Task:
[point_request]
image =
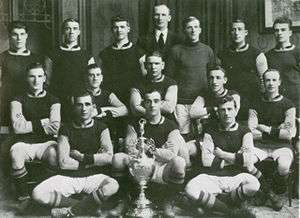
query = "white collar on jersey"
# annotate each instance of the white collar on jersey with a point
(23, 53)
(161, 121)
(123, 47)
(275, 99)
(82, 126)
(64, 47)
(287, 48)
(39, 95)
(233, 127)
(241, 49)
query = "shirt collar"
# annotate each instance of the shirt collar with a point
(88, 125)
(275, 99)
(233, 127)
(161, 121)
(286, 48)
(64, 47)
(97, 93)
(158, 32)
(241, 49)
(23, 53)
(39, 95)
(123, 47)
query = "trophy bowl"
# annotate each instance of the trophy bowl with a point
(141, 167)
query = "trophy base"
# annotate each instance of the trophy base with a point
(142, 209)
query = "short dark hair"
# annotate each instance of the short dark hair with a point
(283, 19)
(149, 90)
(186, 20)
(93, 66)
(118, 18)
(17, 25)
(271, 70)
(225, 99)
(35, 65)
(64, 24)
(154, 53)
(214, 66)
(78, 94)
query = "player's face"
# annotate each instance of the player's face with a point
(272, 82)
(120, 30)
(161, 17)
(154, 66)
(18, 38)
(152, 103)
(238, 32)
(227, 112)
(94, 77)
(216, 80)
(282, 32)
(71, 32)
(36, 78)
(193, 30)
(83, 107)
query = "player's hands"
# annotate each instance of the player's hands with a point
(218, 152)
(75, 154)
(264, 128)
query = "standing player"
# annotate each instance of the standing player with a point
(169, 168)
(120, 61)
(187, 65)
(155, 80)
(272, 122)
(69, 63)
(35, 117)
(285, 57)
(243, 63)
(227, 148)
(13, 63)
(83, 145)
(107, 104)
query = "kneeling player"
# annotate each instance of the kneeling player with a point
(83, 144)
(35, 119)
(169, 168)
(272, 122)
(227, 148)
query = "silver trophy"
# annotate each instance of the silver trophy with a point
(141, 167)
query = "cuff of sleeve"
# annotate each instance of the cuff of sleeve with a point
(37, 127)
(216, 164)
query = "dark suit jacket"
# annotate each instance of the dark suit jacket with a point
(148, 43)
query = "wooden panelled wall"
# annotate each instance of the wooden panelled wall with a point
(95, 15)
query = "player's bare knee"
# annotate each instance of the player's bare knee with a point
(250, 185)
(40, 196)
(191, 190)
(17, 155)
(284, 166)
(109, 187)
(179, 166)
(50, 156)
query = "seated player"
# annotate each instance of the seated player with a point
(169, 168)
(83, 145)
(154, 65)
(227, 148)
(35, 118)
(272, 122)
(108, 105)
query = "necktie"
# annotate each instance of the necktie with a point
(161, 43)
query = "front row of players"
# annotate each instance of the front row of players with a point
(84, 145)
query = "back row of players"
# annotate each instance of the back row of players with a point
(187, 86)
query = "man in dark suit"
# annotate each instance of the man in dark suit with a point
(161, 38)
